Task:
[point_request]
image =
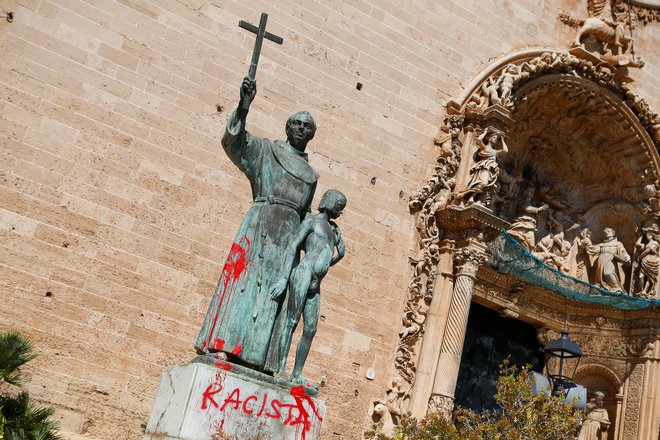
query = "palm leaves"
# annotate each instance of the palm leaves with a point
(15, 351)
(20, 419)
(26, 421)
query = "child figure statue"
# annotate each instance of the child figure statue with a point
(318, 236)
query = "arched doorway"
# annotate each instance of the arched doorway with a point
(489, 340)
(596, 377)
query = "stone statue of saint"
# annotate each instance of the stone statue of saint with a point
(241, 316)
(596, 420)
(610, 254)
(318, 236)
(484, 173)
(649, 261)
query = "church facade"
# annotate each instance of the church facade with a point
(500, 161)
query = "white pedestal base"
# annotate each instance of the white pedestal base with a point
(202, 402)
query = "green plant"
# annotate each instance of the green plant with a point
(521, 414)
(20, 419)
(15, 351)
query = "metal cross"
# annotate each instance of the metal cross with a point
(261, 34)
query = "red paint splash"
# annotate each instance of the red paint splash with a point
(218, 344)
(223, 365)
(233, 269)
(298, 393)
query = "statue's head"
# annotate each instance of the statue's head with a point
(609, 233)
(332, 202)
(598, 397)
(300, 129)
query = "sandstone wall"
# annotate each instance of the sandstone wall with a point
(117, 205)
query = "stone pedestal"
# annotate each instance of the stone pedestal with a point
(199, 401)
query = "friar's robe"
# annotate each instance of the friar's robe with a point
(241, 315)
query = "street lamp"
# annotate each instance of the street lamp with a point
(562, 349)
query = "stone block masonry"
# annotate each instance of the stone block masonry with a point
(118, 207)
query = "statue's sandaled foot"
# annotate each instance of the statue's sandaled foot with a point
(297, 379)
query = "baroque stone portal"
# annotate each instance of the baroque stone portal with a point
(573, 176)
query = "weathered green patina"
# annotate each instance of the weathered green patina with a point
(241, 315)
(318, 236)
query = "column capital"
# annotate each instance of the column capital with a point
(467, 261)
(442, 405)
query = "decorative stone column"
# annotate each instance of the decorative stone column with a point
(430, 349)
(619, 412)
(466, 262)
(649, 417)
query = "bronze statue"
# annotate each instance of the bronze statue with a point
(241, 316)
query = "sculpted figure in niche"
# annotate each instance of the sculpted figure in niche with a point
(596, 420)
(484, 173)
(395, 399)
(649, 261)
(602, 25)
(380, 414)
(554, 248)
(610, 254)
(241, 316)
(506, 83)
(524, 227)
(413, 320)
(582, 243)
(318, 236)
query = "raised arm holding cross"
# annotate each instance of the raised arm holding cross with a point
(249, 86)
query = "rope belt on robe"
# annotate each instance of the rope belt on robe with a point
(272, 200)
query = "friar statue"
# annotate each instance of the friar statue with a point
(240, 318)
(596, 421)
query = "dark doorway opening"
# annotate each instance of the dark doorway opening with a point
(489, 340)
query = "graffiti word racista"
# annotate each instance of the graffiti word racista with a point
(291, 414)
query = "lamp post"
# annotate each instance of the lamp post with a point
(562, 349)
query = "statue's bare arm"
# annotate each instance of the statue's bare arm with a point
(277, 290)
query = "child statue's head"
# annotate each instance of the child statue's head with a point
(332, 202)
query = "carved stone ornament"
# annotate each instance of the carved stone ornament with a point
(633, 401)
(565, 63)
(646, 267)
(604, 35)
(430, 199)
(519, 190)
(641, 11)
(485, 172)
(467, 261)
(436, 194)
(441, 405)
